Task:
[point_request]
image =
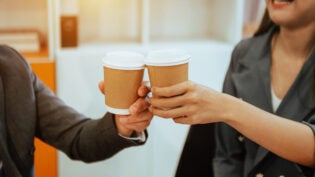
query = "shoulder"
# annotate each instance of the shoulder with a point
(11, 60)
(11, 54)
(249, 50)
(251, 45)
(242, 47)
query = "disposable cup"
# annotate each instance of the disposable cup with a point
(123, 75)
(167, 67)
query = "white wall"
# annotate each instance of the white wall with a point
(81, 69)
(18, 15)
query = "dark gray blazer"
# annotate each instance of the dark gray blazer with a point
(29, 109)
(248, 78)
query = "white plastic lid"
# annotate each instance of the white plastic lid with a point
(167, 57)
(124, 60)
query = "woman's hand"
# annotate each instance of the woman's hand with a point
(140, 116)
(188, 103)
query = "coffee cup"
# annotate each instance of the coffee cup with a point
(167, 67)
(123, 75)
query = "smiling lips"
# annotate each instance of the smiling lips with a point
(281, 3)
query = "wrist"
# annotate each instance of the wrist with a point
(231, 108)
(122, 130)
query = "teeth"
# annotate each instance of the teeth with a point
(282, 1)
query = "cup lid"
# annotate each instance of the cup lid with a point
(125, 60)
(167, 57)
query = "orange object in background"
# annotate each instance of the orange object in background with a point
(45, 155)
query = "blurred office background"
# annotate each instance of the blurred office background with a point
(65, 40)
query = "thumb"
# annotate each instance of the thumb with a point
(101, 86)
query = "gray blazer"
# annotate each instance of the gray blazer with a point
(248, 78)
(29, 109)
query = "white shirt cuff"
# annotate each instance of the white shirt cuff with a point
(138, 136)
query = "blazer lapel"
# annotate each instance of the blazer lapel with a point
(253, 83)
(253, 86)
(297, 103)
(264, 73)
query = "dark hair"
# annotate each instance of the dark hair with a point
(265, 24)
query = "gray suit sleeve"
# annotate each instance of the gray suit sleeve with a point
(229, 155)
(76, 135)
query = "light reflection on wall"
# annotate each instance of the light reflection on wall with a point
(109, 20)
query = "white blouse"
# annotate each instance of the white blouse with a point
(275, 101)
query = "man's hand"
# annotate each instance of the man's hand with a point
(140, 116)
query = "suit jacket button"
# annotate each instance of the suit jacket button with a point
(259, 175)
(240, 138)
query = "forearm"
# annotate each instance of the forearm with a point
(286, 138)
(73, 133)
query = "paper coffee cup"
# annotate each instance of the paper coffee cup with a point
(123, 74)
(167, 67)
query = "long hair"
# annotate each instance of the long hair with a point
(265, 24)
